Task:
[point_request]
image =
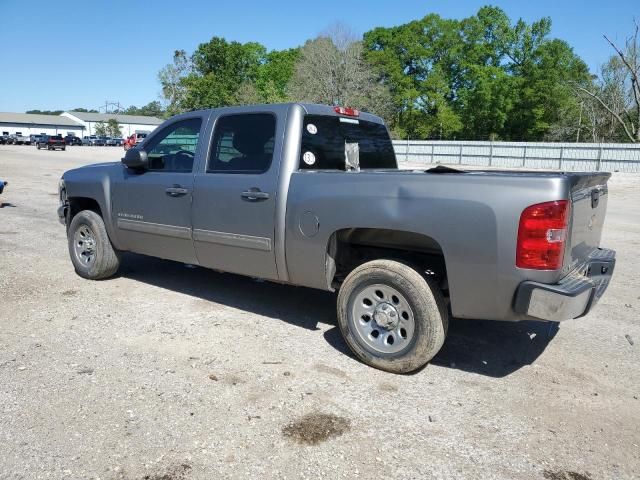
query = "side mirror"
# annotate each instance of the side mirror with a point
(136, 159)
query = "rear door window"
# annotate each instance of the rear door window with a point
(325, 139)
(243, 143)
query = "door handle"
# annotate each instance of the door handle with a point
(254, 195)
(176, 191)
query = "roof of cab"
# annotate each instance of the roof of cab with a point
(310, 108)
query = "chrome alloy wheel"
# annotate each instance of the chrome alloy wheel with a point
(84, 245)
(382, 318)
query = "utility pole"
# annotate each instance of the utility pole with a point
(114, 104)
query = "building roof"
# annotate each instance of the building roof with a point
(103, 117)
(37, 119)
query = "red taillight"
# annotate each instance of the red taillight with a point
(349, 112)
(542, 234)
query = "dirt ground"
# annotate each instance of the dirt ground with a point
(168, 372)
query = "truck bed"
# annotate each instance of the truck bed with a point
(471, 217)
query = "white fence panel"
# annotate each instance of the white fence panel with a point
(610, 157)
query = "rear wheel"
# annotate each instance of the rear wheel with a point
(391, 316)
(91, 251)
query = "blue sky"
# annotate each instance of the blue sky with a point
(79, 54)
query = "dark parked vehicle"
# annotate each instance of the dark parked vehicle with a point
(51, 142)
(33, 139)
(311, 195)
(72, 140)
(3, 138)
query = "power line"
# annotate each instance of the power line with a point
(108, 104)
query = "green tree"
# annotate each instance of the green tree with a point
(247, 94)
(271, 80)
(219, 68)
(84, 110)
(45, 112)
(544, 71)
(274, 74)
(415, 61)
(222, 73)
(100, 129)
(151, 109)
(479, 77)
(112, 128)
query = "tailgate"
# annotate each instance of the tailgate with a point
(589, 195)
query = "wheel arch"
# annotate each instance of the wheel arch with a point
(349, 248)
(78, 204)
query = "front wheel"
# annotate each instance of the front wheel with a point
(392, 317)
(91, 251)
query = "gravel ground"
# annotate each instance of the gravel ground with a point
(168, 372)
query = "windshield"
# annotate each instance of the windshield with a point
(326, 138)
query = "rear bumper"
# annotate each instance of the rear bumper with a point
(573, 296)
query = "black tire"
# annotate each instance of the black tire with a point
(428, 307)
(64, 148)
(106, 259)
(38, 146)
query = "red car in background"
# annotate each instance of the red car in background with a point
(134, 139)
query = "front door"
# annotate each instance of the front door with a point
(153, 207)
(235, 196)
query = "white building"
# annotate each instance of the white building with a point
(129, 124)
(36, 124)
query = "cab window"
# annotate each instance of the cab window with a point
(324, 140)
(243, 143)
(174, 148)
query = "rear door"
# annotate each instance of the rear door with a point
(235, 196)
(153, 207)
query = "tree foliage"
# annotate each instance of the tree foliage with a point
(480, 77)
(112, 128)
(170, 78)
(477, 78)
(45, 112)
(100, 129)
(220, 73)
(79, 109)
(332, 70)
(151, 109)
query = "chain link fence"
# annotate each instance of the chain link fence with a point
(607, 157)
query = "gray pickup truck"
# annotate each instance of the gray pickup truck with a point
(311, 195)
